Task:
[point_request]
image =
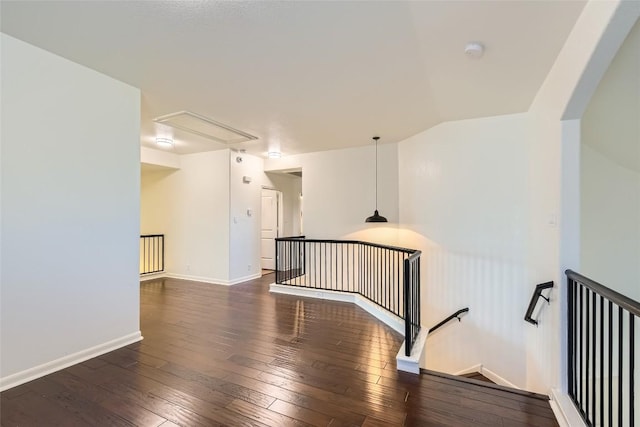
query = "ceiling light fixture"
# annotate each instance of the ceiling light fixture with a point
(274, 154)
(376, 217)
(164, 142)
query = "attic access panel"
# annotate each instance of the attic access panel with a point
(205, 127)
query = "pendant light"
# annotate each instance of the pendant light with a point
(376, 217)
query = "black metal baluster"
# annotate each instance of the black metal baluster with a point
(336, 266)
(587, 351)
(387, 304)
(620, 364)
(631, 369)
(593, 361)
(153, 241)
(320, 264)
(610, 348)
(146, 256)
(331, 265)
(570, 337)
(277, 262)
(407, 330)
(316, 262)
(360, 269)
(370, 272)
(342, 266)
(601, 360)
(376, 289)
(298, 262)
(579, 396)
(397, 263)
(163, 252)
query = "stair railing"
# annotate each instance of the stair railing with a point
(388, 276)
(601, 357)
(455, 315)
(151, 253)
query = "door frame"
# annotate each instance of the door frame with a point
(279, 215)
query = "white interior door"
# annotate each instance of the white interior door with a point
(269, 228)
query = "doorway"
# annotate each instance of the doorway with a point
(271, 226)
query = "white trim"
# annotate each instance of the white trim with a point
(202, 279)
(471, 370)
(66, 361)
(152, 276)
(244, 279)
(391, 320)
(563, 408)
(497, 378)
(212, 281)
(413, 363)
(479, 368)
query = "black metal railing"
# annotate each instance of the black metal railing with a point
(379, 273)
(601, 352)
(291, 257)
(151, 253)
(411, 300)
(455, 315)
(537, 294)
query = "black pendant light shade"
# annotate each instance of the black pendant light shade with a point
(376, 217)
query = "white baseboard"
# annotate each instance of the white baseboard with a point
(152, 276)
(413, 362)
(244, 279)
(565, 411)
(212, 280)
(489, 374)
(66, 361)
(393, 321)
(471, 370)
(497, 378)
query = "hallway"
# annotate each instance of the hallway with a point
(219, 355)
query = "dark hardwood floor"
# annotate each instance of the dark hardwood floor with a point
(239, 356)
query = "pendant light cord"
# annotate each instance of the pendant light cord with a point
(376, 175)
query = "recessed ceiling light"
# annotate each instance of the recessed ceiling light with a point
(164, 142)
(474, 49)
(274, 154)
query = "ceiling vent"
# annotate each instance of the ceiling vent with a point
(204, 126)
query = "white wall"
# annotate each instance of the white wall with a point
(159, 158)
(70, 212)
(610, 175)
(202, 208)
(244, 228)
(610, 231)
(338, 189)
(464, 202)
(191, 207)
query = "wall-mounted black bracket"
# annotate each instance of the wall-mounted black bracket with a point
(537, 294)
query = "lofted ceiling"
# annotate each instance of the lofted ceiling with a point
(309, 75)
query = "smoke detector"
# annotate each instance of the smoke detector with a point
(474, 50)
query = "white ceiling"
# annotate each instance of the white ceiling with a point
(307, 76)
